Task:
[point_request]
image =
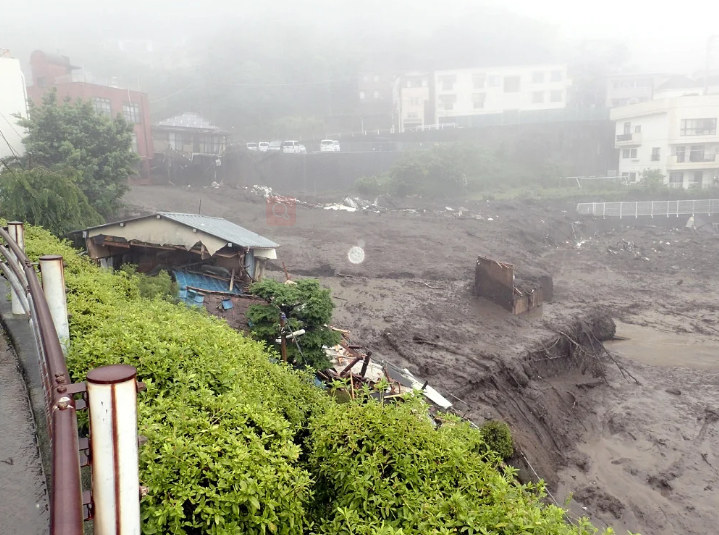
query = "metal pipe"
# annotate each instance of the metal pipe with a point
(16, 232)
(112, 393)
(53, 285)
(66, 516)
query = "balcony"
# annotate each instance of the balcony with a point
(693, 161)
(628, 140)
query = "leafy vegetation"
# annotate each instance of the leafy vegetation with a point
(160, 285)
(72, 134)
(307, 306)
(237, 444)
(498, 438)
(51, 199)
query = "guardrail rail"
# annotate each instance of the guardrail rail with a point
(649, 208)
(110, 395)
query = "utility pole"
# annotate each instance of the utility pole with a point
(283, 337)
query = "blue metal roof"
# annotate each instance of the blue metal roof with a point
(202, 282)
(221, 228)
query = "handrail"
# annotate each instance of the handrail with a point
(66, 506)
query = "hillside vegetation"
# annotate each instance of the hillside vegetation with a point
(239, 444)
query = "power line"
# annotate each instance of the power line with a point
(12, 150)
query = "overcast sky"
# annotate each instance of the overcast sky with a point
(660, 35)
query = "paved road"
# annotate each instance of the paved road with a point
(23, 496)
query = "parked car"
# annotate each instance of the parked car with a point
(263, 146)
(274, 146)
(252, 146)
(329, 145)
(303, 149)
(291, 147)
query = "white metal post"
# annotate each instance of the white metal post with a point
(17, 233)
(53, 286)
(112, 395)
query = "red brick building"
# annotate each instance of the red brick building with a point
(51, 70)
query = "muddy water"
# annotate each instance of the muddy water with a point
(650, 346)
(23, 500)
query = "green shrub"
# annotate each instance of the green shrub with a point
(307, 306)
(371, 185)
(384, 467)
(156, 286)
(498, 438)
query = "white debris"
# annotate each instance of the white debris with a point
(490, 219)
(264, 191)
(341, 207)
(350, 202)
(449, 209)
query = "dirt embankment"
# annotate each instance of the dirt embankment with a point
(634, 455)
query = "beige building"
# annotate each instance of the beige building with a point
(13, 103)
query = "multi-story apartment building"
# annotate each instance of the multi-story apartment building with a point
(628, 89)
(463, 94)
(13, 103)
(677, 136)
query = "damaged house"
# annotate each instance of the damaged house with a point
(204, 254)
(497, 282)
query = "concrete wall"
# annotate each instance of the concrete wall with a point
(13, 101)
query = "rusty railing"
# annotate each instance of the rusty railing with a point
(114, 507)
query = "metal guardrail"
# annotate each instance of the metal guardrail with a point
(649, 208)
(113, 442)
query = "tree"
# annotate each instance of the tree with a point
(652, 180)
(74, 135)
(51, 199)
(307, 306)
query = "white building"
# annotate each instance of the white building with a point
(414, 102)
(677, 136)
(465, 93)
(13, 102)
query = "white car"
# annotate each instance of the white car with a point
(263, 146)
(252, 146)
(329, 145)
(292, 147)
(274, 146)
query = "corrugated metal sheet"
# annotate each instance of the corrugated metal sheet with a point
(203, 282)
(221, 228)
(250, 263)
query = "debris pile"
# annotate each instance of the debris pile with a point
(353, 363)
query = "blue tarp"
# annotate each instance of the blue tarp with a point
(203, 282)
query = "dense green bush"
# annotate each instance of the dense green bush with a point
(371, 185)
(237, 444)
(384, 467)
(308, 306)
(160, 285)
(498, 438)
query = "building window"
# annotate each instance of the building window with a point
(676, 179)
(376, 94)
(495, 80)
(102, 106)
(656, 153)
(537, 97)
(695, 178)
(448, 102)
(638, 129)
(629, 153)
(134, 143)
(625, 176)
(617, 102)
(556, 76)
(627, 128)
(511, 84)
(478, 100)
(698, 127)
(131, 112)
(447, 82)
(412, 115)
(680, 153)
(414, 101)
(555, 96)
(478, 80)
(362, 95)
(538, 77)
(633, 176)
(696, 153)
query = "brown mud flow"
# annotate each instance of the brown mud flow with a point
(634, 454)
(23, 502)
